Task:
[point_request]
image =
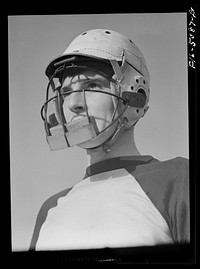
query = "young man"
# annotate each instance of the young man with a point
(101, 90)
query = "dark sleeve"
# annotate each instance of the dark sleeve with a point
(41, 217)
(167, 185)
(179, 203)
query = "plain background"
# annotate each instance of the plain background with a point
(36, 172)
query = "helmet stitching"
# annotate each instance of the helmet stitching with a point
(100, 50)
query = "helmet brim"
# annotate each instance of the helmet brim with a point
(89, 61)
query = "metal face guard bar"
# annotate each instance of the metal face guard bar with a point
(70, 134)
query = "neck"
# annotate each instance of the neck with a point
(123, 146)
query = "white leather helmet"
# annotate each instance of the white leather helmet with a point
(130, 83)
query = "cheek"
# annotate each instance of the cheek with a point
(101, 104)
(67, 112)
(101, 107)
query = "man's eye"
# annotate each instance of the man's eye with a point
(65, 92)
(93, 85)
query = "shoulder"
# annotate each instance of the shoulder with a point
(172, 168)
(176, 168)
(52, 200)
(165, 181)
(178, 164)
(42, 215)
(159, 176)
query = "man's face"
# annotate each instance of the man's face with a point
(99, 105)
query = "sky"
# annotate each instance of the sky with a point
(33, 41)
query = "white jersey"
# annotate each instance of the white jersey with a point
(121, 202)
(108, 210)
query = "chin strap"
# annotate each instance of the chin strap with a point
(117, 134)
(107, 144)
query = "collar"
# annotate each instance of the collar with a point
(117, 163)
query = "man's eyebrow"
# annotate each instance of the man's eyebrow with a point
(98, 79)
(68, 86)
(87, 80)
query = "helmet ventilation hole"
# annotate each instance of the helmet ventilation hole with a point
(108, 32)
(132, 88)
(137, 80)
(84, 33)
(137, 110)
(141, 91)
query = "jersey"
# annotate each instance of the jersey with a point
(121, 202)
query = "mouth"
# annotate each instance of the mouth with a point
(77, 117)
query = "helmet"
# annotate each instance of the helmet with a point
(129, 79)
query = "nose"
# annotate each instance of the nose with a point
(76, 102)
